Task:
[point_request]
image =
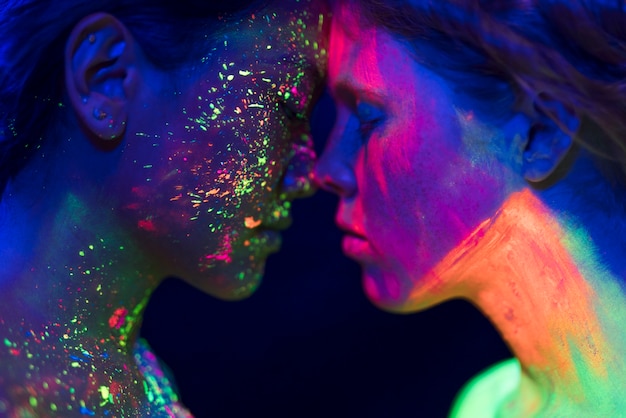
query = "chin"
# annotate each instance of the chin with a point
(383, 289)
(229, 284)
(235, 294)
(396, 293)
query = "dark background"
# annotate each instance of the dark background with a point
(308, 343)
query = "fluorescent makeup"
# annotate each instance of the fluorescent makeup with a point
(71, 354)
(234, 151)
(415, 174)
(521, 268)
(200, 188)
(435, 206)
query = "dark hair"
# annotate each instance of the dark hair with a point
(570, 50)
(34, 32)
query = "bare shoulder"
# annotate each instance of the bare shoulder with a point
(481, 396)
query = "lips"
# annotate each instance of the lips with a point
(266, 234)
(349, 228)
(276, 217)
(276, 224)
(355, 245)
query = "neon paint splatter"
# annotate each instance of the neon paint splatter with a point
(205, 182)
(237, 148)
(118, 318)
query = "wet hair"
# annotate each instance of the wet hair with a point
(172, 33)
(506, 53)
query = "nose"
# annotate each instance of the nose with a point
(334, 174)
(298, 179)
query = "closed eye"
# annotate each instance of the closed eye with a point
(289, 111)
(370, 117)
(366, 128)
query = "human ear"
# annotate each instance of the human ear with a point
(100, 75)
(549, 140)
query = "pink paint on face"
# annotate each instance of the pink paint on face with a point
(415, 174)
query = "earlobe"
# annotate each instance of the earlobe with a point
(550, 140)
(99, 75)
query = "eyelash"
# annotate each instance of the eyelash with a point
(367, 128)
(289, 111)
(370, 122)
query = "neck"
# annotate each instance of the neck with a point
(536, 277)
(72, 304)
(555, 304)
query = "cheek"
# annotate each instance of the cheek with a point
(389, 188)
(421, 195)
(476, 187)
(188, 183)
(198, 183)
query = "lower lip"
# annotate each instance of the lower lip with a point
(357, 248)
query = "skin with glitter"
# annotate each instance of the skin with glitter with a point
(440, 202)
(198, 185)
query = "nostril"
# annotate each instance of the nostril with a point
(332, 188)
(335, 175)
(341, 185)
(320, 180)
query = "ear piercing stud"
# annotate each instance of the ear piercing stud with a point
(99, 114)
(91, 38)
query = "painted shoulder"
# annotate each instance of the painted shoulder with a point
(481, 396)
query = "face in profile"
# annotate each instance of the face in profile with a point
(233, 151)
(415, 174)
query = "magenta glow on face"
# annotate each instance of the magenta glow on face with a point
(219, 178)
(415, 175)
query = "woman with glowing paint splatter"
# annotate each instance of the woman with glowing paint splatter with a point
(479, 152)
(140, 139)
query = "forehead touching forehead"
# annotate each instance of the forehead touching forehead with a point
(348, 17)
(276, 32)
(360, 57)
(444, 36)
(282, 17)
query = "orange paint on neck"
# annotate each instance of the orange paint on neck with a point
(516, 269)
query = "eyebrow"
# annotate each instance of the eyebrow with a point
(349, 90)
(308, 66)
